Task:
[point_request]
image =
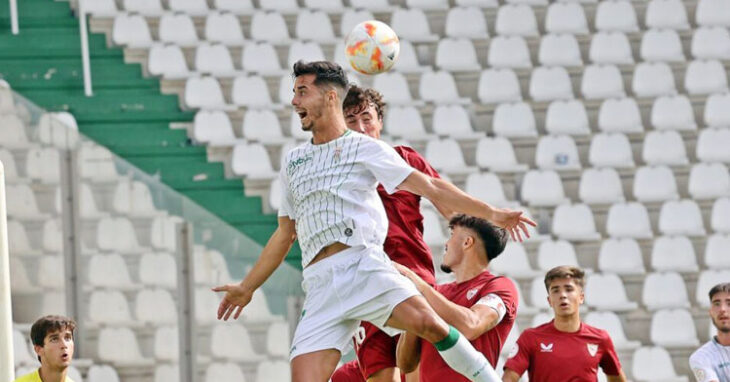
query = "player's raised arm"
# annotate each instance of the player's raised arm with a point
(239, 295)
(449, 196)
(408, 352)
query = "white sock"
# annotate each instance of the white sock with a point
(461, 356)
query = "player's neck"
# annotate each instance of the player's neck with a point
(723, 338)
(49, 374)
(329, 129)
(468, 270)
(567, 324)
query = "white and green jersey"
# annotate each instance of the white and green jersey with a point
(711, 362)
(330, 191)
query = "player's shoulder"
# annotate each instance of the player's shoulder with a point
(538, 331)
(703, 353)
(592, 330)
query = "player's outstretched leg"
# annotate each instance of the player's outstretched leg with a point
(314, 367)
(416, 316)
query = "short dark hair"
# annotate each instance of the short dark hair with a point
(325, 73)
(49, 324)
(565, 272)
(359, 99)
(722, 287)
(493, 237)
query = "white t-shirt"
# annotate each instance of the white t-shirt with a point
(711, 362)
(330, 191)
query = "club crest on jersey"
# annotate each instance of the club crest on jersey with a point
(592, 349)
(470, 294)
(546, 348)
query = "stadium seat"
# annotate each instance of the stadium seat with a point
(616, 16)
(709, 181)
(405, 122)
(117, 235)
(177, 29)
(412, 25)
(158, 269)
(234, 6)
(574, 222)
(275, 194)
(102, 373)
(166, 344)
(553, 253)
(214, 60)
(468, 22)
(315, 26)
(655, 184)
(661, 45)
(20, 245)
(20, 282)
(717, 110)
(252, 92)
(13, 133)
(511, 340)
(666, 14)
(610, 48)
(23, 205)
(269, 27)
(232, 342)
(601, 82)
(567, 117)
(21, 350)
(671, 328)
(566, 17)
(711, 43)
(101, 8)
(58, 129)
(439, 87)
(653, 79)
(720, 219)
(261, 58)
(664, 148)
(486, 187)
(705, 77)
(394, 88)
(428, 4)
(52, 241)
(42, 165)
(456, 54)
(516, 20)
(559, 50)
(304, 50)
(681, 217)
(432, 232)
(109, 271)
(712, 145)
(278, 339)
(223, 28)
(498, 85)
(606, 292)
(557, 152)
(228, 371)
(204, 93)
(610, 150)
(156, 307)
(133, 199)
(538, 294)
(213, 128)
(167, 61)
(656, 285)
(628, 220)
(262, 126)
(143, 7)
(273, 371)
(446, 156)
(279, 6)
(351, 17)
(708, 279)
(167, 372)
(673, 253)
(191, 7)
(712, 13)
(550, 83)
(244, 164)
(497, 155)
(673, 113)
(9, 167)
(96, 164)
(514, 120)
(715, 251)
(477, 3)
(453, 121)
(120, 346)
(109, 307)
(621, 256)
(654, 364)
(513, 262)
(50, 272)
(611, 323)
(600, 186)
(509, 52)
(620, 116)
(542, 188)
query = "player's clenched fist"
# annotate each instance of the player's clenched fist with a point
(236, 298)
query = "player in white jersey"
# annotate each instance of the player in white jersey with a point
(330, 204)
(711, 362)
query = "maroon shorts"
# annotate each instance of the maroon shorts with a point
(349, 372)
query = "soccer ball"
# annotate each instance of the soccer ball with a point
(372, 47)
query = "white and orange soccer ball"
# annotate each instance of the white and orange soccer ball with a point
(372, 47)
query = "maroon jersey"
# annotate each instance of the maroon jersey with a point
(540, 349)
(467, 293)
(404, 242)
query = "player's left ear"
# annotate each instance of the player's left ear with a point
(468, 241)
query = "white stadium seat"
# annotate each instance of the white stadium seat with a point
(553, 253)
(251, 91)
(466, 22)
(550, 83)
(9, 167)
(574, 222)
(394, 88)
(498, 85)
(668, 14)
(325, 5)
(41, 165)
(621, 256)
(681, 217)
(133, 199)
(601, 82)
(672, 328)
(628, 220)
(439, 87)
(50, 272)
(661, 45)
(509, 52)
(720, 219)
(191, 7)
(705, 77)
(655, 184)
(566, 18)
(486, 187)
(559, 50)
(234, 6)
(262, 126)
(304, 50)
(456, 54)
(167, 344)
(262, 58)
(606, 292)
(109, 308)
(538, 293)
(516, 20)
(653, 79)
(269, 27)
(428, 4)
(272, 371)
(21, 350)
(711, 43)
(708, 279)
(412, 25)
(664, 148)
(204, 93)
(252, 161)
(716, 251)
(713, 13)
(351, 17)
(280, 6)
(228, 371)
(158, 269)
(611, 323)
(223, 28)
(156, 307)
(314, 26)
(542, 188)
(453, 121)
(673, 113)
(101, 8)
(177, 29)
(445, 155)
(432, 232)
(108, 271)
(610, 150)
(232, 342)
(167, 61)
(278, 339)
(20, 245)
(405, 122)
(477, 3)
(709, 181)
(214, 60)
(167, 372)
(620, 116)
(22, 203)
(513, 262)
(616, 16)
(567, 117)
(131, 31)
(497, 155)
(213, 128)
(528, 2)
(514, 120)
(102, 373)
(557, 152)
(600, 186)
(654, 364)
(119, 345)
(143, 7)
(712, 145)
(654, 294)
(611, 48)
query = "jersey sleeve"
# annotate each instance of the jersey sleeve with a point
(505, 289)
(609, 361)
(417, 161)
(285, 202)
(385, 164)
(519, 355)
(702, 368)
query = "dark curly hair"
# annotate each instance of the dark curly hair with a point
(358, 99)
(493, 237)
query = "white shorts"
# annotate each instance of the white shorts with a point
(356, 284)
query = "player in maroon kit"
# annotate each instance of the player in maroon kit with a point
(479, 304)
(564, 349)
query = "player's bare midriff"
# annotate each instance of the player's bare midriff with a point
(328, 251)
